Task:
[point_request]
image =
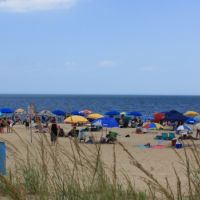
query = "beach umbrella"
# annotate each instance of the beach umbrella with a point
(94, 116)
(86, 112)
(174, 115)
(136, 114)
(58, 112)
(158, 116)
(147, 118)
(74, 119)
(46, 113)
(112, 113)
(191, 120)
(191, 114)
(106, 122)
(153, 126)
(183, 128)
(76, 112)
(20, 111)
(6, 111)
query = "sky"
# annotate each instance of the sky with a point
(100, 47)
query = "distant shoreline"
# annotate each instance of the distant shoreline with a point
(142, 95)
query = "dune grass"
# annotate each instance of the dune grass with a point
(49, 172)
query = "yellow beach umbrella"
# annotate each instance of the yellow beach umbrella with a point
(74, 119)
(191, 113)
(95, 116)
(19, 110)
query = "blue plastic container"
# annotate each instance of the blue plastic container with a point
(178, 145)
(2, 158)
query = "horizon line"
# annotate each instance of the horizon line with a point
(100, 94)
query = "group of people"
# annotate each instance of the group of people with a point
(6, 123)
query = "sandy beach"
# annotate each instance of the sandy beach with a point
(159, 162)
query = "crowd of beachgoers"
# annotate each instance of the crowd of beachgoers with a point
(88, 121)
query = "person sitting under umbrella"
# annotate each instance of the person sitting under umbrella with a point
(111, 137)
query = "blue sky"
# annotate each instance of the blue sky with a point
(100, 46)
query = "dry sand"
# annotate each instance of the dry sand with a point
(159, 162)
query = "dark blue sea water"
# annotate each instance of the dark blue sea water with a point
(103, 103)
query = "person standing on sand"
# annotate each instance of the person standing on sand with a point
(54, 133)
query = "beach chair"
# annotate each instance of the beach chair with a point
(171, 136)
(165, 136)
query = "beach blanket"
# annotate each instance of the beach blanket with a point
(158, 146)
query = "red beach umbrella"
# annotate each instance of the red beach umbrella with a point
(158, 116)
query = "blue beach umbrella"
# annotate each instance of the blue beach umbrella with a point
(183, 128)
(76, 112)
(112, 113)
(58, 112)
(136, 114)
(6, 111)
(191, 120)
(105, 122)
(147, 118)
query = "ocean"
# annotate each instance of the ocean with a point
(146, 104)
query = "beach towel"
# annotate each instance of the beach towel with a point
(158, 146)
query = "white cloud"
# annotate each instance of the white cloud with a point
(35, 5)
(106, 63)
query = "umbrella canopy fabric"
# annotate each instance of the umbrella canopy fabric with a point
(191, 114)
(58, 112)
(136, 114)
(106, 122)
(174, 115)
(183, 128)
(74, 119)
(46, 113)
(76, 112)
(94, 116)
(112, 113)
(147, 118)
(6, 110)
(19, 111)
(155, 126)
(191, 120)
(158, 116)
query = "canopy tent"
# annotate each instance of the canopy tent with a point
(174, 115)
